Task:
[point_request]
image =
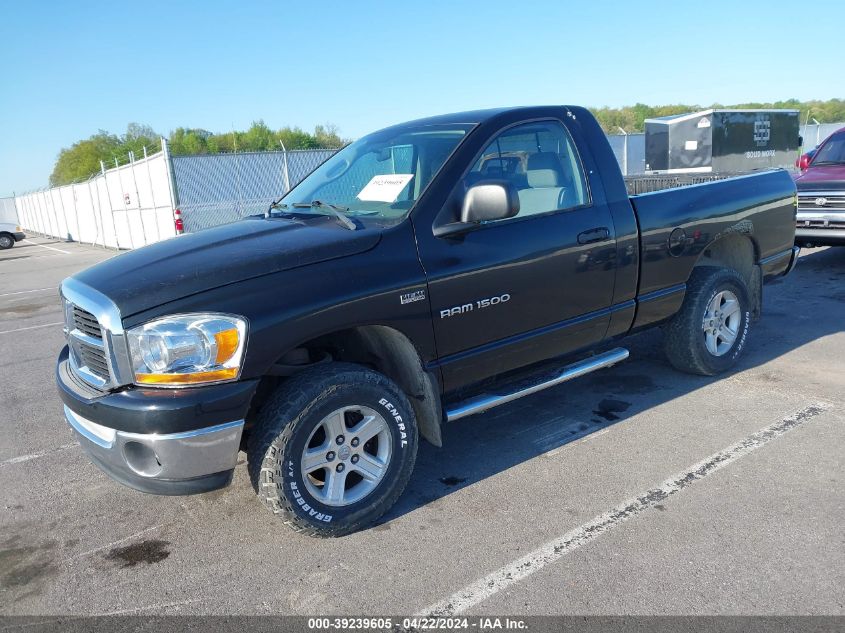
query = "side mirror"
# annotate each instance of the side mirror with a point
(490, 200)
(803, 162)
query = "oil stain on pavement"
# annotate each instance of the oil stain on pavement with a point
(149, 552)
(25, 567)
(452, 481)
(609, 408)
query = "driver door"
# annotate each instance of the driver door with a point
(519, 290)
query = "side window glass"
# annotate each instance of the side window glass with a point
(540, 160)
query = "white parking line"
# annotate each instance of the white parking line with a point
(23, 259)
(31, 327)
(113, 543)
(24, 292)
(25, 458)
(52, 248)
(150, 607)
(554, 550)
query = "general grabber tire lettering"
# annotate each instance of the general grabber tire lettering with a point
(710, 331)
(332, 449)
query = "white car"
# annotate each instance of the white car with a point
(9, 234)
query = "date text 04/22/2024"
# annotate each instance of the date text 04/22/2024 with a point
(417, 623)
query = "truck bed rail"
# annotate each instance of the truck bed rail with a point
(647, 183)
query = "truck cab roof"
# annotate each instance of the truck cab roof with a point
(475, 117)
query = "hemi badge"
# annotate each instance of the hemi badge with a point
(410, 297)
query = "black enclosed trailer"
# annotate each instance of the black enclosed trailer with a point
(721, 141)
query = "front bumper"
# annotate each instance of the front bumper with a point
(172, 464)
(820, 228)
(19, 236)
(160, 441)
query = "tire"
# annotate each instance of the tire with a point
(301, 414)
(6, 241)
(690, 343)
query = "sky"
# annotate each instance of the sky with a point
(68, 69)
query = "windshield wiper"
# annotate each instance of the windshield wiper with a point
(335, 210)
(827, 162)
(276, 204)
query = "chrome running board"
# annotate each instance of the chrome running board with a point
(481, 403)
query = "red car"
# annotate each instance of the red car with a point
(821, 194)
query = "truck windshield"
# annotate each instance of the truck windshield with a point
(832, 152)
(381, 175)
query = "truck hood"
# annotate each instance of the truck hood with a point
(822, 177)
(174, 268)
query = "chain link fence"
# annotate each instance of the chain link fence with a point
(218, 188)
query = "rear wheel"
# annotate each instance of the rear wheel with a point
(709, 332)
(333, 449)
(6, 241)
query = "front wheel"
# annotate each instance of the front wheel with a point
(6, 241)
(709, 332)
(333, 449)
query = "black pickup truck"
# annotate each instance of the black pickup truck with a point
(418, 276)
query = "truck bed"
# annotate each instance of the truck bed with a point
(760, 206)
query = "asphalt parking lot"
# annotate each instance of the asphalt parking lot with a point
(636, 490)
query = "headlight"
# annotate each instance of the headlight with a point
(187, 349)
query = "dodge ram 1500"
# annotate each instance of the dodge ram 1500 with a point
(417, 277)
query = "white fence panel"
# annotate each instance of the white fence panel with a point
(124, 207)
(67, 202)
(24, 213)
(113, 190)
(161, 194)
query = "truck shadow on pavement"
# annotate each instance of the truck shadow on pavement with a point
(804, 307)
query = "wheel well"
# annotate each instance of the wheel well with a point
(737, 252)
(389, 352)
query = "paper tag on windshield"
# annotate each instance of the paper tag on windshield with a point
(384, 188)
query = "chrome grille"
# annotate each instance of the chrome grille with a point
(86, 323)
(99, 355)
(92, 357)
(821, 200)
(88, 353)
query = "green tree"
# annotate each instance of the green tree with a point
(257, 138)
(327, 136)
(138, 137)
(189, 141)
(82, 159)
(295, 138)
